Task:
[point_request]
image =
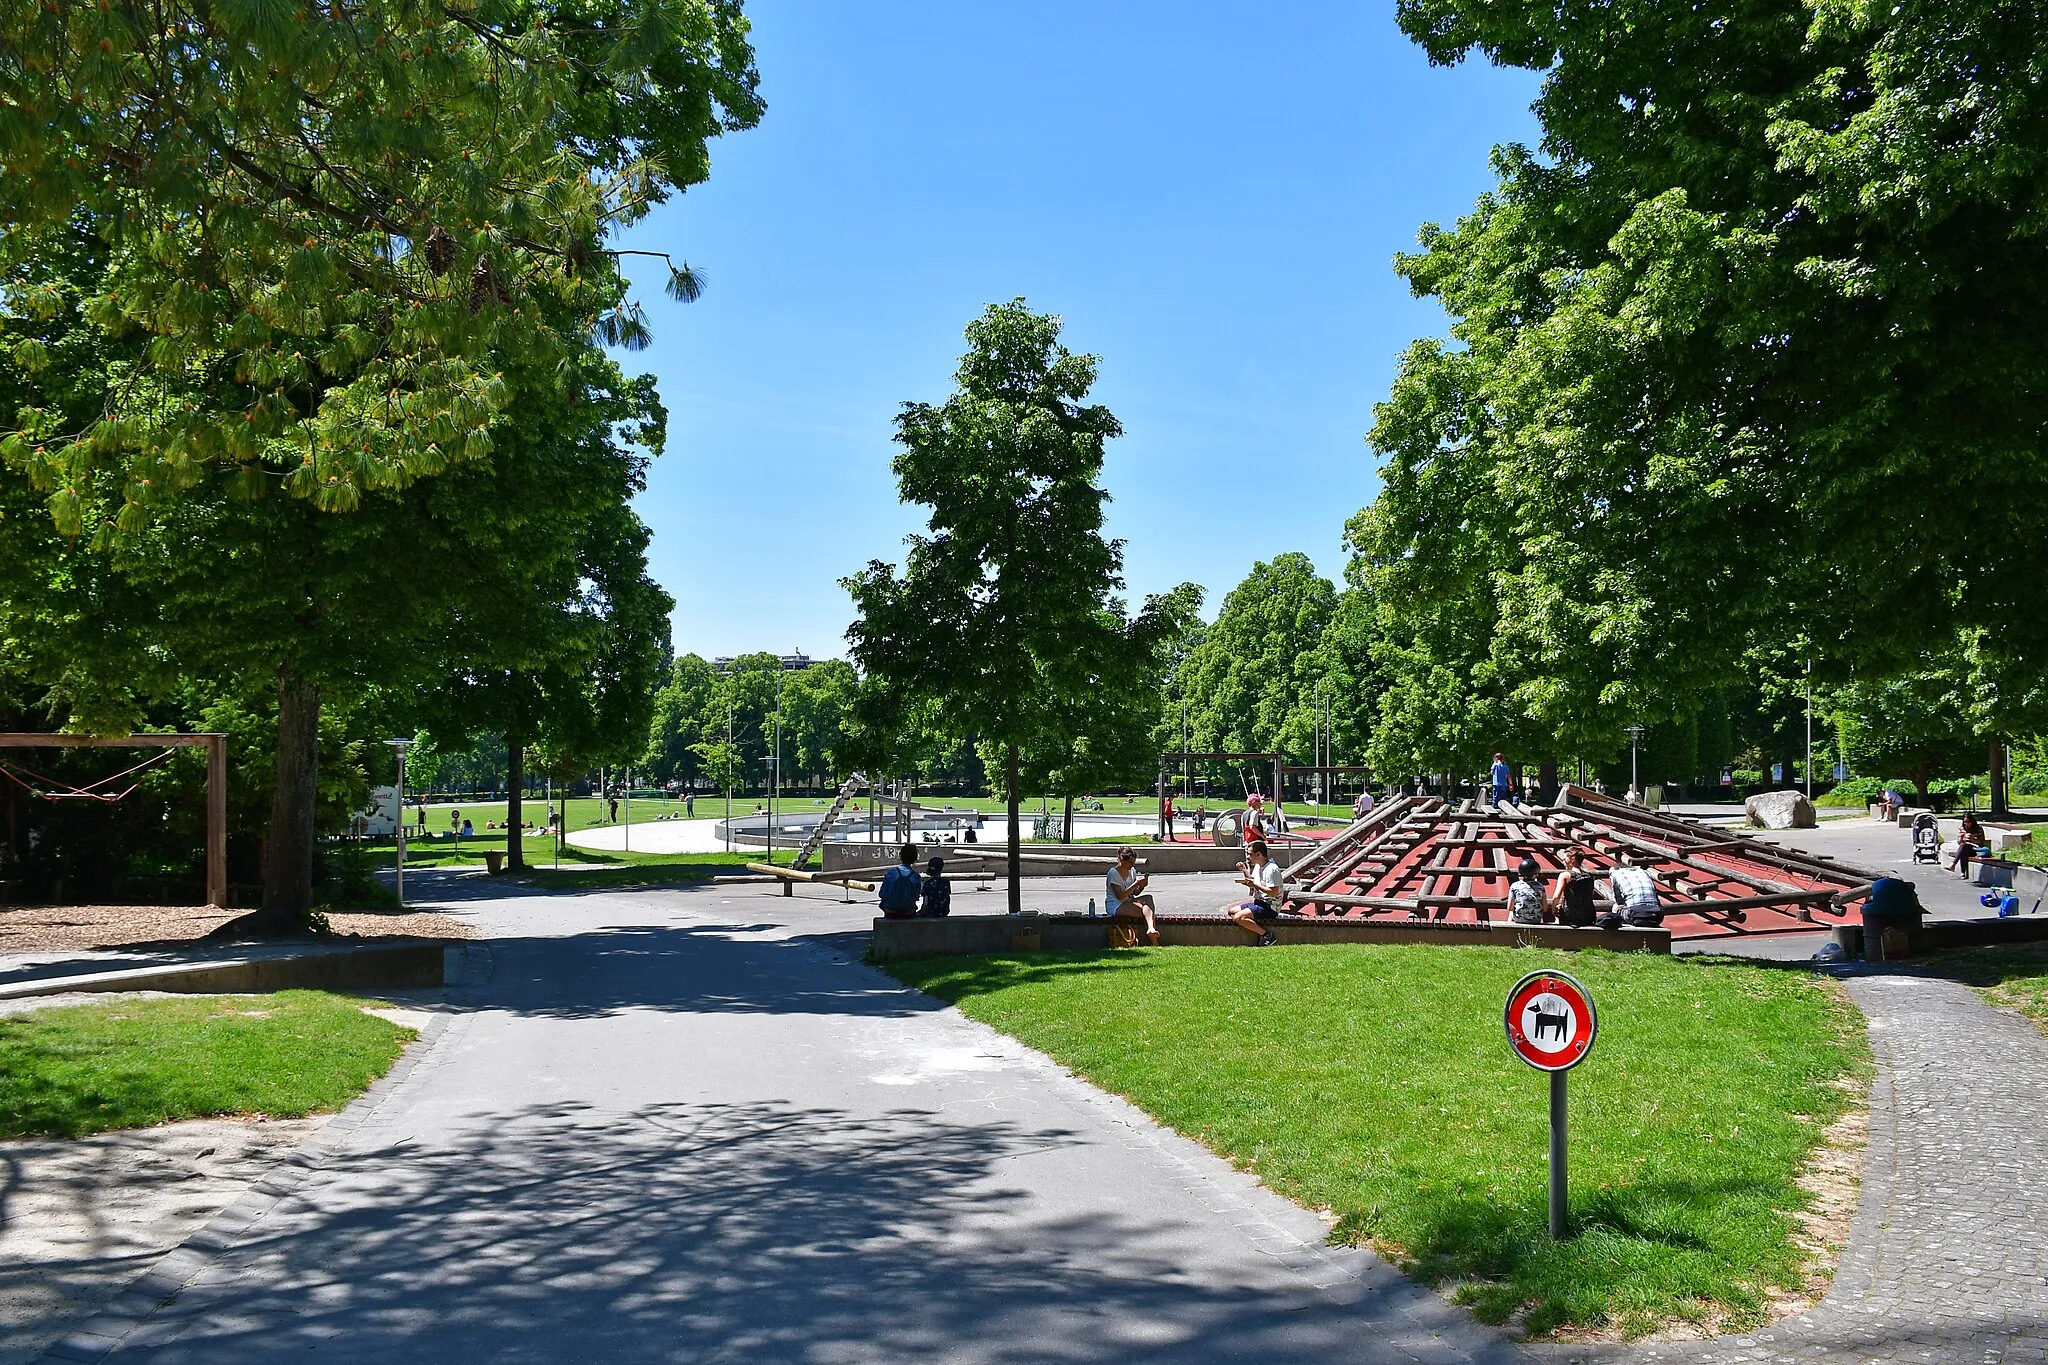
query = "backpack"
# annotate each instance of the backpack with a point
(1578, 900)
(900, 886)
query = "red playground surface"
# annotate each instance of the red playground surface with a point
(1423, 858)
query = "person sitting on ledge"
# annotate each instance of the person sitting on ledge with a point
(935, 897)
(1525, 895)
(901, 886)
(1635, 896)
(1261, 876)
(1124, 893)
(1970, 842)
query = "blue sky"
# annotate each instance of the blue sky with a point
(1209, 195)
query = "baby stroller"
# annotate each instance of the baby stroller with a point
(1926, 838)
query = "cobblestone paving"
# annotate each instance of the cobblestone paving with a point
(1950, 1245)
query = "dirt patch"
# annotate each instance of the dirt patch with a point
(86, 1216)
(72, 928)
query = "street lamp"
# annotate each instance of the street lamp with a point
(398, 810)
(1635, 785)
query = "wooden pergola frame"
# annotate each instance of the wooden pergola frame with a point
(216, 747)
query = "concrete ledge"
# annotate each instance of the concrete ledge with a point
(959, 935)
(1940, 935)
(334, 969)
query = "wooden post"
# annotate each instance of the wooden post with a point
(217, 821)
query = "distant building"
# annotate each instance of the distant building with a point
(791, 663)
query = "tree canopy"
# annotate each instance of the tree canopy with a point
(331, 225)
(1749, 353)
(1005, 617)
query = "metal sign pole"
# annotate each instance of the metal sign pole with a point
(1551, 1025)
(1557, 1154)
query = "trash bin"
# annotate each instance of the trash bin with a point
(494, 860)
(1891, 916)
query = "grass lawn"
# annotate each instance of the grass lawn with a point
(1375, 1082)
(81, 1069)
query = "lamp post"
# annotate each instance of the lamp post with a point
(1809, 729)
(1635, 785)
(398, 827)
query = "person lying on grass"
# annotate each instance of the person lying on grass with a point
(1124, 893)
(1261, 876)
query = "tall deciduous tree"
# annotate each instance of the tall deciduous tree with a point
(1249, 679)
(1755, 349)
(1005, 616)
(332, 223)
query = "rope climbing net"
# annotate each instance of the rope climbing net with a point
(46, 788)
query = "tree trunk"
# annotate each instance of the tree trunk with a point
(1920, 776)
(288, 870)
(515, 787)
(1999, 808)
(1067, 829)
(1016, 863)
(1546, 777)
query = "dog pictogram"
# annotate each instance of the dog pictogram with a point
(1547, 1022)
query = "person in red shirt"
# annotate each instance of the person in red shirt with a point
(1166, 814)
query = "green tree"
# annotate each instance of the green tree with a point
(1735, 356)
(332, 229)
(681, 722)
(1251, 678)
(1005, 614)
(817, 718)
(1917, 723)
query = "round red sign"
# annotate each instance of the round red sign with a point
(1550, 1021)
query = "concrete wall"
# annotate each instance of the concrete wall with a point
(976, 934)
(1935, 936)
(1091, 860)
(318, 968)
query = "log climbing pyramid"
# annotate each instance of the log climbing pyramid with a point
(1431, 859)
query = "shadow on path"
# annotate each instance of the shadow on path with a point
(737, 1233)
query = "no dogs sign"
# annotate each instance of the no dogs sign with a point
(1550, 1021)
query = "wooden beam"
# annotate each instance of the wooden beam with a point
(217, 821)
(166, 741)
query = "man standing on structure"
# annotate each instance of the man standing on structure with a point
(1502, 776)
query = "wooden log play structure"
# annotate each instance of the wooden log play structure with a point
(1430, 859)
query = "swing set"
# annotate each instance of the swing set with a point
(109, 790)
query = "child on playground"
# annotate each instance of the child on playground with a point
(1261, 876)
(1525, 896)
(935, 897)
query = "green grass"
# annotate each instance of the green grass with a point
(1375, 1082)
(82, 1069)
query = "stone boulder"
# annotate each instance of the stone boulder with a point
(1781, 810)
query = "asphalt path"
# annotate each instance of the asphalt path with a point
(689, 1126)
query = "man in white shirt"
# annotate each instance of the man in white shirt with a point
(1635, 894)
(1261, 877)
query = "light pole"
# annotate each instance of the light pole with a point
(398, 828)
(728, 777)
(1635, 785)
(775, 769)
(1809, 729)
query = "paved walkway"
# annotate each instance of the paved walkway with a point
(667, 1130)
(670, 1127)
